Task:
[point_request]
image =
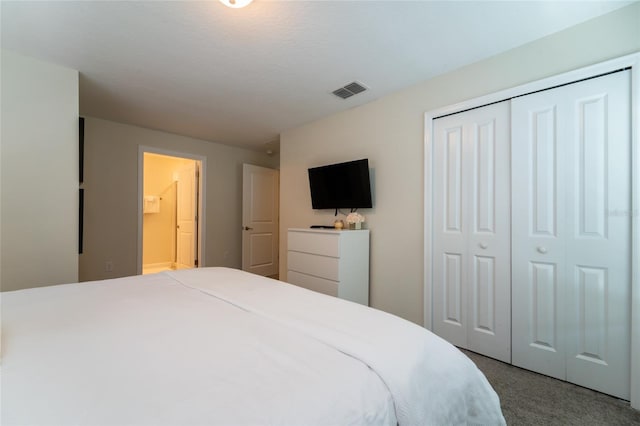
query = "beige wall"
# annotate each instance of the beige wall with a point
(39, 173)
(390, 132)
(111, 198)
(159, 229)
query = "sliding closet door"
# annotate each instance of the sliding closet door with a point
(471, 226)
(538, 234)
(571, 233)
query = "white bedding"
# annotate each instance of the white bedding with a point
(220, 346)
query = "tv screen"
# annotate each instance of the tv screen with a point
(343, 185)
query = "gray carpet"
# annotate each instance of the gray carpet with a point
(529, 398)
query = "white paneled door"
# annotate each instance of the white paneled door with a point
(260, 198)
(471, 230)
(571, 232)
(186, 217)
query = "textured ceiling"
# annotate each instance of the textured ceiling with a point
(242, 76)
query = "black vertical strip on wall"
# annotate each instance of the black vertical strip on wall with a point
(80, 220)
(81, 149)
(81, 179)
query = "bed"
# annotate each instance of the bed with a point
(221, 346)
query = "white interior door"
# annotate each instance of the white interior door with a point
(187, 212)
(539, 228)
(260, 198)
(571, 233)
(471, 230)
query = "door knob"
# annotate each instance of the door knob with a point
(483, 245)
(246, 228)
(541, 249)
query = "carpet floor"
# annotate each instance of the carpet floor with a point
(529, 398)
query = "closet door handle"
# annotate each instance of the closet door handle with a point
(246, 228)
(541, 249)
(483, 246)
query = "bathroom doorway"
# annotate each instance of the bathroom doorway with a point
(170, 211)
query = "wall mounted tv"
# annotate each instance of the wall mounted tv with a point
(342, 185)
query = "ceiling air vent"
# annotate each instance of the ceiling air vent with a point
(349, 90)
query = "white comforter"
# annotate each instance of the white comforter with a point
(220, 346)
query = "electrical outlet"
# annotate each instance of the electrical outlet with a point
(108, 266)
(226, 254)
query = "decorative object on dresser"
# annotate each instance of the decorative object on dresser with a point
(355, 220)
(330, 261)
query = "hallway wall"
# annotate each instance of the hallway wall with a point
(111, 196)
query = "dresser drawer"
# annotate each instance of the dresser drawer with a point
(323, 244)
(311, 264)
(320, 285)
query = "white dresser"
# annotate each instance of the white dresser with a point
(330, 262)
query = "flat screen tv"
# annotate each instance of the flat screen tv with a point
(342, 185)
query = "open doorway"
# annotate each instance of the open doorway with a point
(170, 211)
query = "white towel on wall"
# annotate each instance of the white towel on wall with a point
(151, 204)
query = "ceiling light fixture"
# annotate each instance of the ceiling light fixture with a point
(236, 4)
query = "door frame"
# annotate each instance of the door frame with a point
(630, 61)
(142, 149)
